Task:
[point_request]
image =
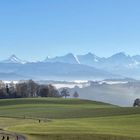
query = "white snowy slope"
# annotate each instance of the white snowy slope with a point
(88, 59)
(14, 59)
(68, 58)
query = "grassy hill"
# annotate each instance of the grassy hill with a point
(70, 119)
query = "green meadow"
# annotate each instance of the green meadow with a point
(69, 119)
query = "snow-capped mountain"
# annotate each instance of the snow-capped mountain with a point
(120, 58)
(119, 63)
(116, 61)
(14, 59)
(88, 59)
(65, 67)
(69, 65)
(68, 58)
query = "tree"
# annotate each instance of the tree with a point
(7, 89)
(53, 92)
(2, 85)
(137, 103)
(12, 90)
(25, 89)
(32, 88)
(21, 90)
(75, 95)
(65, 93)
(43, 91)
(48, 91)
(2, 93)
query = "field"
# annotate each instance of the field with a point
(69, 119)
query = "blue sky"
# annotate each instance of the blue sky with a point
(34, 29)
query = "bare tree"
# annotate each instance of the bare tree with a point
(53, 92)
(21, 90)
(25, 89)
(43, 91)
(32, 88)
(2, 85)
(65, 93)
(48, 91)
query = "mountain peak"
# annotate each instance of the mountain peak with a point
(13, 55)
(120, 54)
(88, 59)
(70, 54)
(47, 58)
(14, 59)
(89, 53)
(119, 59)
(68, 58)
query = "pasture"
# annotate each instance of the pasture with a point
(71, 119)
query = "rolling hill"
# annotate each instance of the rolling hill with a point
(69, 119)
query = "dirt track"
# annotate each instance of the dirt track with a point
(12, 136)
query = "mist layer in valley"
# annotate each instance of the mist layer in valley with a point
(118, 93)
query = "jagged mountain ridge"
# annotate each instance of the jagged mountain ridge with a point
(117, 64)
(92, 60)
(86, 59)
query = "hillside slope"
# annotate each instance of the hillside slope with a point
(70, 119)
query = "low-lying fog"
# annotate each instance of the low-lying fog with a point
(122, 93)
(118, 93)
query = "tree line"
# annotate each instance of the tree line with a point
(29, 89)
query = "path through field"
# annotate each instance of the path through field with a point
(12, 136)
